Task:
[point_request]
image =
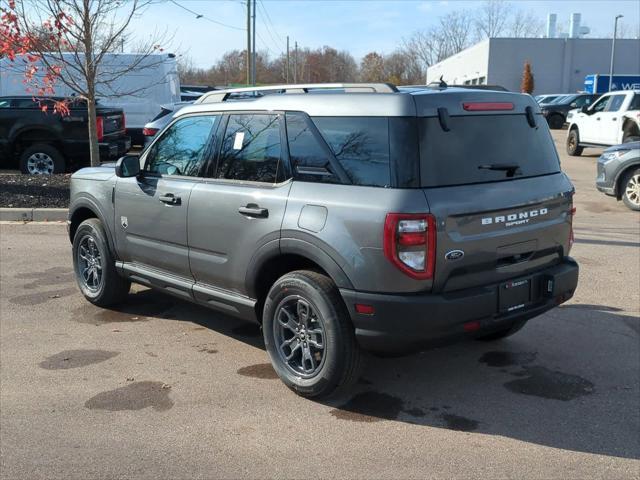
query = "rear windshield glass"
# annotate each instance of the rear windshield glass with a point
(484, 148)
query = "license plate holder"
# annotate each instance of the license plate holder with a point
(514, 295)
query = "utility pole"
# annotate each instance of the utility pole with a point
(253, 46)
(287, 75)
(295, 63)
(613, 49)
(248, 60)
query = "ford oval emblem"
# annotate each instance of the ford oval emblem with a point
(454, 255)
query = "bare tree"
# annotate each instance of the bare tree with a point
(92, 30)
(456, 31)
(492, 18)
(524, 24)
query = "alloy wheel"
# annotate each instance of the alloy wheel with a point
(300, 336)
(632, 190)
(90, 264)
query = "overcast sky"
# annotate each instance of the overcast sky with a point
(358, 26)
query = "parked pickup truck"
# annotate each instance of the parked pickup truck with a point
(42, 142)
(613, 119)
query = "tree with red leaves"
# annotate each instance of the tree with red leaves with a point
(66, 42)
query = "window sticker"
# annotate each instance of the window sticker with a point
(238, 141)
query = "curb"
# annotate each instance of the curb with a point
(33, 214)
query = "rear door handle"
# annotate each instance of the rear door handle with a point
(170, 199)
(254, 211)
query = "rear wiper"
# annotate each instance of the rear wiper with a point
(510, 168)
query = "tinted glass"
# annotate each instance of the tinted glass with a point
(454, 157)
(361, 145)
(584, 100)
(601, 104)
(635, 102)
(182, 149)
(615, 103)
(251, 149)
(5, 103)
(309, 159)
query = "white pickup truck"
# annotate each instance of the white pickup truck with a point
(613, 119)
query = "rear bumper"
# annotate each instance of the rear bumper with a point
(405, 323)
(114, 148)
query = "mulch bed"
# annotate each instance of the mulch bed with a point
(34, 191)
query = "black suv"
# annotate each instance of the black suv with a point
(43, 142)
(556, 111)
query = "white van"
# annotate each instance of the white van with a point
(140, 93)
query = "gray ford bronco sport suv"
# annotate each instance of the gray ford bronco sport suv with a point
(341, 217)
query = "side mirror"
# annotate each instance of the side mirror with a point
(573, 105)
(128, 166)
(585, 109)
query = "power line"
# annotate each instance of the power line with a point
(273, 28)
(199, 15)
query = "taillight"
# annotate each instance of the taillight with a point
(149, 132)
(572, 213)
(486, 106)
(410, 243)
(124, 122)
(100, 128)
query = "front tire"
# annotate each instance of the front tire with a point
(630, 189)
(94, 266)
(573, 143)
(41, 159)
(309, 335)
(556, 122)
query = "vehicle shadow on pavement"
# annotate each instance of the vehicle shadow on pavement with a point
(551, 386)
(568, 380)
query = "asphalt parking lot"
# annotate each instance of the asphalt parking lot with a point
(163, 389)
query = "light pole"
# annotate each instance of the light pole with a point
(613, 48)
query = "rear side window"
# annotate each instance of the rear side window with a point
(635, 102)
(464, 154)
(309, 159)
(615, 103)
(361, 145)
(251, 149)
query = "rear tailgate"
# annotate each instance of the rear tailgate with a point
(492, 178)
(491, 233)
(113, 120)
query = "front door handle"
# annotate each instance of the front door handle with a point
(170, 199)
(253, 210)
(598, 118)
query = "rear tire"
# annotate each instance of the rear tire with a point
(95, 267)
(573, 143)
(41, 159)
(630, 189)
(556, 121)
(303, 311)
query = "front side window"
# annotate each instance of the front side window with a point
(635, 102)
(601, 104)
(615, 103)
(182, 149)
(361, 145)
(251, 149)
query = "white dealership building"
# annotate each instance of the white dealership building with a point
(559, 65)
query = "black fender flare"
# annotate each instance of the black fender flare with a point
(294, 246)
(86, 201)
